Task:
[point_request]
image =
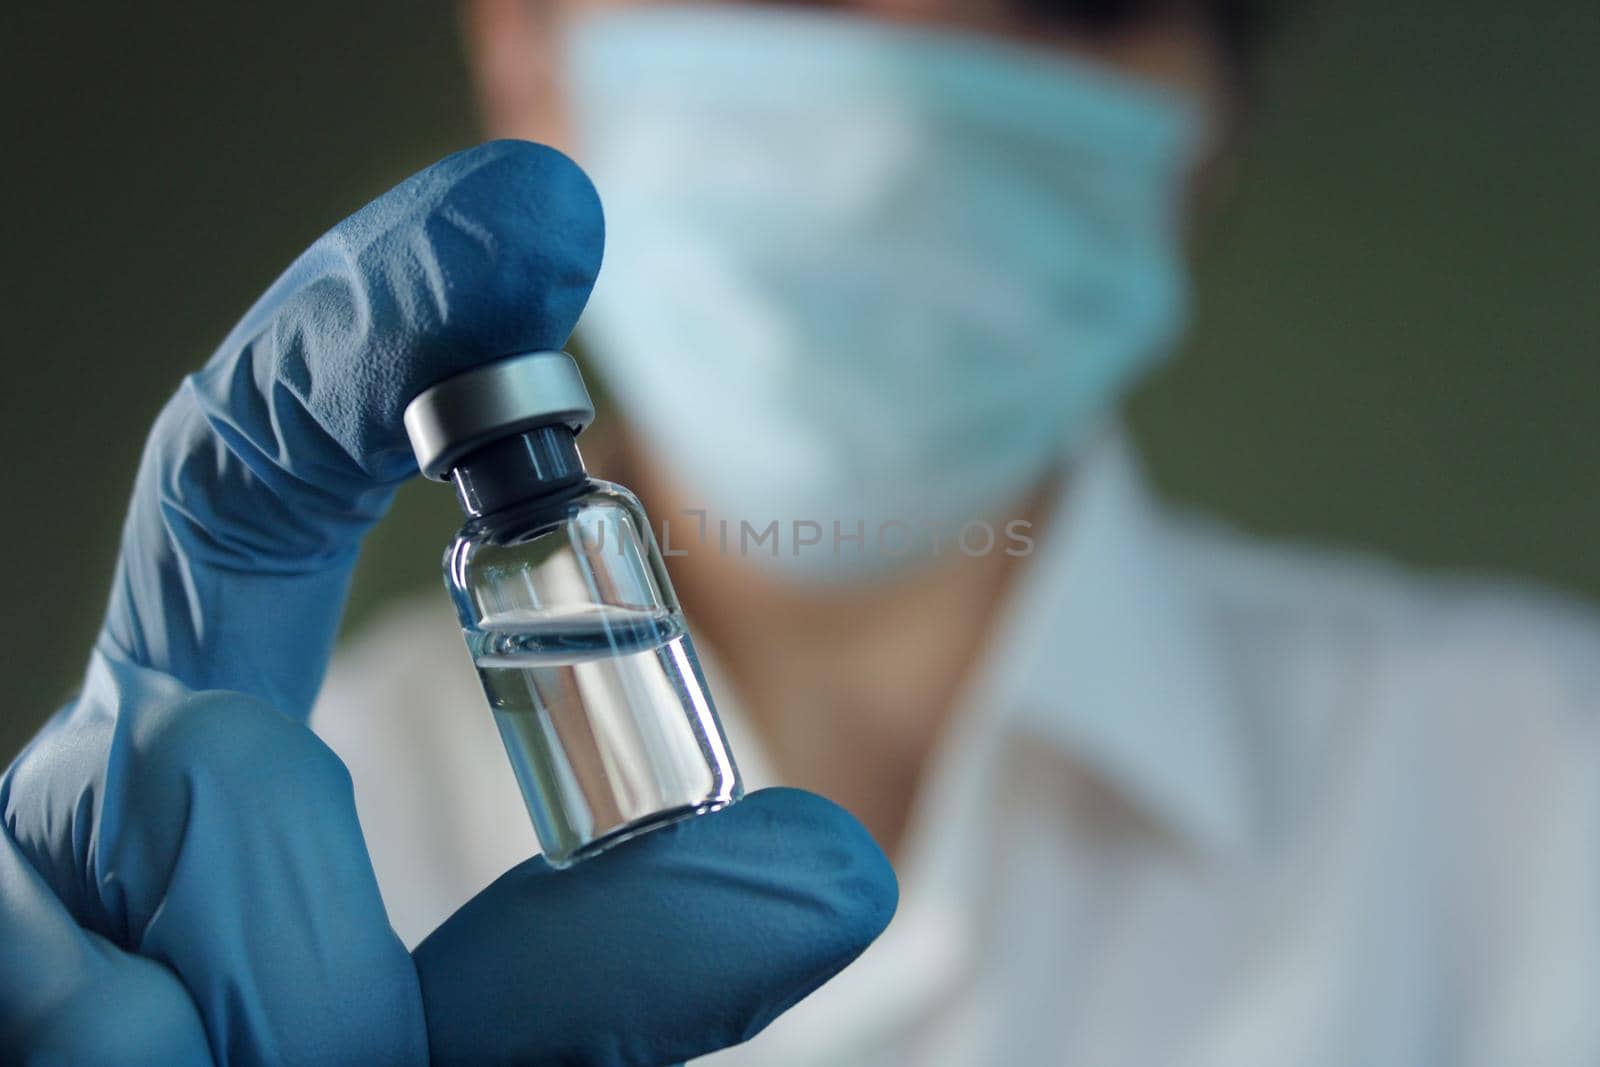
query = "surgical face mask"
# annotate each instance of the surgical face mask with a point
(868, 277)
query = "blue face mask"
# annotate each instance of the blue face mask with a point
(864, 274)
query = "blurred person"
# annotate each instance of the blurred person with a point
(878, 275)
(877, 278)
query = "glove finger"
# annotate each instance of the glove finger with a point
(265, 470)
(220, 838)
(686, 940)
(68, 996)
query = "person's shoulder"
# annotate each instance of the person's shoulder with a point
(1369, 606)
(1462, 692)
(1466, 704)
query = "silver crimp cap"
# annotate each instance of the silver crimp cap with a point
(460, 414)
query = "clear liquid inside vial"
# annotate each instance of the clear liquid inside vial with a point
(607, 721)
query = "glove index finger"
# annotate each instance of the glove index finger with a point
(268, 466)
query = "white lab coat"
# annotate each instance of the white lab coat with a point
(1211, 802)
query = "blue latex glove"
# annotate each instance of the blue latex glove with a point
(182, 876)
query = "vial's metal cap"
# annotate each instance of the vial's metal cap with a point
(507, 396)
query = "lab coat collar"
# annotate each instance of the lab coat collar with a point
(1105, 656)
(1101, 657)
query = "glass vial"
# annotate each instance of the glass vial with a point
(568, 613)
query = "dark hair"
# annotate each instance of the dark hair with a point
(1240, 25)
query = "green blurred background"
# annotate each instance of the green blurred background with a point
(1399, 303)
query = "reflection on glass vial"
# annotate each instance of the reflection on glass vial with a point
(606, 719)
(589, 669)
(568, 613)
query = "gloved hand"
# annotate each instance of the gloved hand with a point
(182, 876)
